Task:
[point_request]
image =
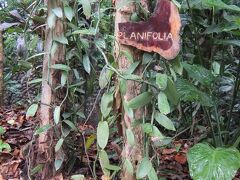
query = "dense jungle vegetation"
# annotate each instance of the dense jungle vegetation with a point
(77, 104)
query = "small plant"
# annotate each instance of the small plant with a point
(3, 146)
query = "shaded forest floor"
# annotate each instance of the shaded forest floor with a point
(19, 135)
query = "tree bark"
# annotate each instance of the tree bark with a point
(45, 154)
(133, 153)
(1, 71)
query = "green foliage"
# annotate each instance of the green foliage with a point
(206, 162)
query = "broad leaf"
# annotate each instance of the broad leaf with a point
(106, 104)
(128, 166)
(171, 92)
(144, 168)
(200, 74)
(61, 39)
(190, 93)
(220, 5)
(140, 101)
(164, 121)
(152, 175)
(102, 134)
(163, 104)
(206, 162)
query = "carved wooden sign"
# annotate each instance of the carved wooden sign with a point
(159, 34)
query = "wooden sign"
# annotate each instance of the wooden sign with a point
(159, 34)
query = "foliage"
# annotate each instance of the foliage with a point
(206, 162)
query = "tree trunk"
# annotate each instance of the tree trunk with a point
(133, 153)
(1, 71)
(45, 154)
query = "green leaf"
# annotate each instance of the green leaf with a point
(206, 162)
(58, 163)
(199, 73)
(32, 110)
(106, 104)
(64, 77)
(4, 146)
(140, 101)
(87, 9)
(128, 166)
(133, 67)
(144, 168)
(2, 130)
(171, 92)
(102, 134)
(68, 11)
(78, 177)
(147, 58)
(56, 114)
(177, 65)
(61, 67)
(86, 63)
(152, 175)
(161, 81)
(58, 12)
(128, 55)
(36, 169)
(61, 39)
(71, 125)
(147, 128)
(164, 121)
(34, 81)
(223, 27)
(42, 129)
(123, 86)
(228, 42)
(112, 167)
(51, 20)
(190, 93)
(130, 137)
(163, 104)
(105, 77)
(156, 133)
(104, 161)
(90, 31)
(220, 5)
(59, 144)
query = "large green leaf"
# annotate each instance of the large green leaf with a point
(171, 92)
(161, 81)
(102, 134)
(189, 93)
(220, 5)
(206, 162)
(32, 110)
(86, 8)
(105, 77)
(222, 27)
(199, 73)
(140, 101)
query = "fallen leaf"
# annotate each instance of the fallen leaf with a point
(181, 158)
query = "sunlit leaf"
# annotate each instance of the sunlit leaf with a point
(59, 144)
(86, 63)
(130, 137)
(58, 12)
(161, 81)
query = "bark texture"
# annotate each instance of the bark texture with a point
(1, 70)
(45, 154)
(133, 153)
